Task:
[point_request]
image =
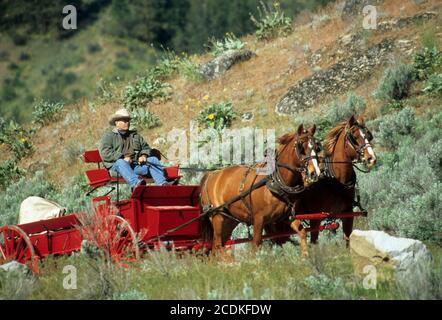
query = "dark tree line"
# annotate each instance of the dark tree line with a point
(183, 25)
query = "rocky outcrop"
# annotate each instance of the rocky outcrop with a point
(337, 79)
(385, 252)
(354, 7)
(224, 62)
(405, 22)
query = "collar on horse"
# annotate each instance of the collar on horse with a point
(329, 173)
(277, 185)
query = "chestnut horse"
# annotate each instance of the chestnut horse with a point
(296, 168)
(345, 144)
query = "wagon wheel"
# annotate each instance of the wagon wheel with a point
(16, 245)
(123, 244)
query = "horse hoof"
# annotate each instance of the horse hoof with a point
(304, 255)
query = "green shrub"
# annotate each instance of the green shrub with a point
(333, 114)
(144, 91)
(189, 70)
(402, 193)
(396, 82)
(24, 56)
(17, 139)
(20, 38)
(230, 42)
(167, 66)
(272, 22)
(434, 86)
(106, 90)
(393, 126)
(391, 106)
(73, 194)
(94, 47)
(426, 62)
(45, 112)
(4, 55)
(429, 38)
(217, 115)
(323, 286)
(130, 295)
(9, 172)
(72, 152)
(354, 105)
(435, 159)
(144, 119)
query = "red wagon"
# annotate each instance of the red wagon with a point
(153, 217)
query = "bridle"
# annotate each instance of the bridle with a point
(352, 141)
(302, 168)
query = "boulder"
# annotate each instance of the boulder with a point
(386, 253)
(344, 75)
(224, 62)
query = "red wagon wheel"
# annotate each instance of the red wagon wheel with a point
(123, 244)
(16, 245)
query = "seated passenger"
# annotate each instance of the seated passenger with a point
(126, 152)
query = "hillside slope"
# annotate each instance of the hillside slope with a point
(319, 43)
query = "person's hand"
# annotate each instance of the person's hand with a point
(142, 159)
(128, 159)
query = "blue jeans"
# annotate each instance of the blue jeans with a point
(130, 172)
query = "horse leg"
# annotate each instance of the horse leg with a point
(314, 224)
(297, 227)
(258, 224)
(217, 244)
(347, 227)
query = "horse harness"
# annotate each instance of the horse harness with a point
(273, 182)
(359, 149)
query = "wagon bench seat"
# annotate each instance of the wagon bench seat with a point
(101, 176)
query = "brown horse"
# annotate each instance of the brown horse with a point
(296, 168)
(346, 143)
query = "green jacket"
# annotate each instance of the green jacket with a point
(111, 147)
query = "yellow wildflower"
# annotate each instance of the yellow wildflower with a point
(206, 97)
(211, 116)
(23, 140)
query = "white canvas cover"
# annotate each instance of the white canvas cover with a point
(35, 209)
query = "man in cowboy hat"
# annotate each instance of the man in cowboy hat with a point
(126, 152)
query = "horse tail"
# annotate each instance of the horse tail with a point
(205, 223)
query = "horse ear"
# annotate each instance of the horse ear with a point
(351, 121)
(300, 129)
(361, 120)
(312, 130)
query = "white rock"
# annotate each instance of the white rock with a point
(13, 266)
(380, 249)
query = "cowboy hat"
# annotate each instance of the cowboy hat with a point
(119, 115)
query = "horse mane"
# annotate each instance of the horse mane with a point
(332, 137)
(285, 139)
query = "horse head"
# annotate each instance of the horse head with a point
(307, 149)
(359, 138)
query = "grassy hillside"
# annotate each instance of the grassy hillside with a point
(400, 96)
